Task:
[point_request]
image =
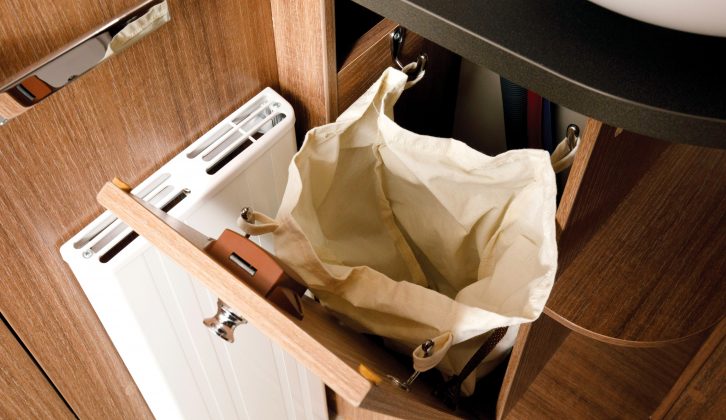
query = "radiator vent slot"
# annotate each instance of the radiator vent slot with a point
(108, 220)
(228, 157)
(231, 137)
(111, 236)
(234, 143)
(126, 241)
(235, 134)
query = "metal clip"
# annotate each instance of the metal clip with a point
(428, 349)
(247, 214)
(573, 135)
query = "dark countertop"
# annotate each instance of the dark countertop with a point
(654, 81)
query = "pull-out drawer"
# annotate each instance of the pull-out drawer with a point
(318, 341)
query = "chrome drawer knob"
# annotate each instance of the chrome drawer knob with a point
(224, 322)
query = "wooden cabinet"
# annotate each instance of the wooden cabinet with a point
(627, 332)
(123, 118)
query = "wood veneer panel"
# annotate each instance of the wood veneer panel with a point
(305, 48)
(319, 342)
(9, 107)
(576, 176)
(644, 241)
(26, 393)
(535, 345)
(704, 398)
(698, 392)
(346, 411)
(589, 379)
(370, 55)
(123, 118)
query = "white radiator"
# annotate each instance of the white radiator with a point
(153, 310)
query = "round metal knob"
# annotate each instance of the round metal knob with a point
(572, 133)
(224, 322)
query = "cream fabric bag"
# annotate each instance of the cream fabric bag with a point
(412, 237)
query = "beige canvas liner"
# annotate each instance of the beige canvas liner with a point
(413, 237)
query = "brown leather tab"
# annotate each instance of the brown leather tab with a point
(258, 269)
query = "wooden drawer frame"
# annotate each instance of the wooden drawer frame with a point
(319, 342)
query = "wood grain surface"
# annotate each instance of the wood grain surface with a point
(305, 48)
(698, 392)
(535, 345)
(9, 107)
(370, 55)
(589, 379)
(643, 246)
(319, 342)
(594, 375)
(345, 411)
(704, 398)
(577, 172)
(26, 392)
(125, 118)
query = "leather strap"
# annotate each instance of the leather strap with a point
(261, 224)
(450, 391)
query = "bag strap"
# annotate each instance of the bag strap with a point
(564, 155)
(450, 391)
(424, 361)
(257, 224)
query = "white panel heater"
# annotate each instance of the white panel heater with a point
(153, 310)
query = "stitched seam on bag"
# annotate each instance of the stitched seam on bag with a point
(386, 212)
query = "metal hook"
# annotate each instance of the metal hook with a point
(397, 37)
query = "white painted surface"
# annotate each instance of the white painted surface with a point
(153, 310)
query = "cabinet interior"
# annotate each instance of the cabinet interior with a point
(645, 169)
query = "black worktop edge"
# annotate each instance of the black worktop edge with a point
(597, 103)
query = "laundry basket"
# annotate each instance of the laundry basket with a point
(417, 238)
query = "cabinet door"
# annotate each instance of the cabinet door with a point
(124, 118)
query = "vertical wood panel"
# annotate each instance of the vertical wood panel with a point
(305, 48)
(589, 379)
(123, 118)
(698, 392)
(705, 397)
(535, 345)
(27, 394)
